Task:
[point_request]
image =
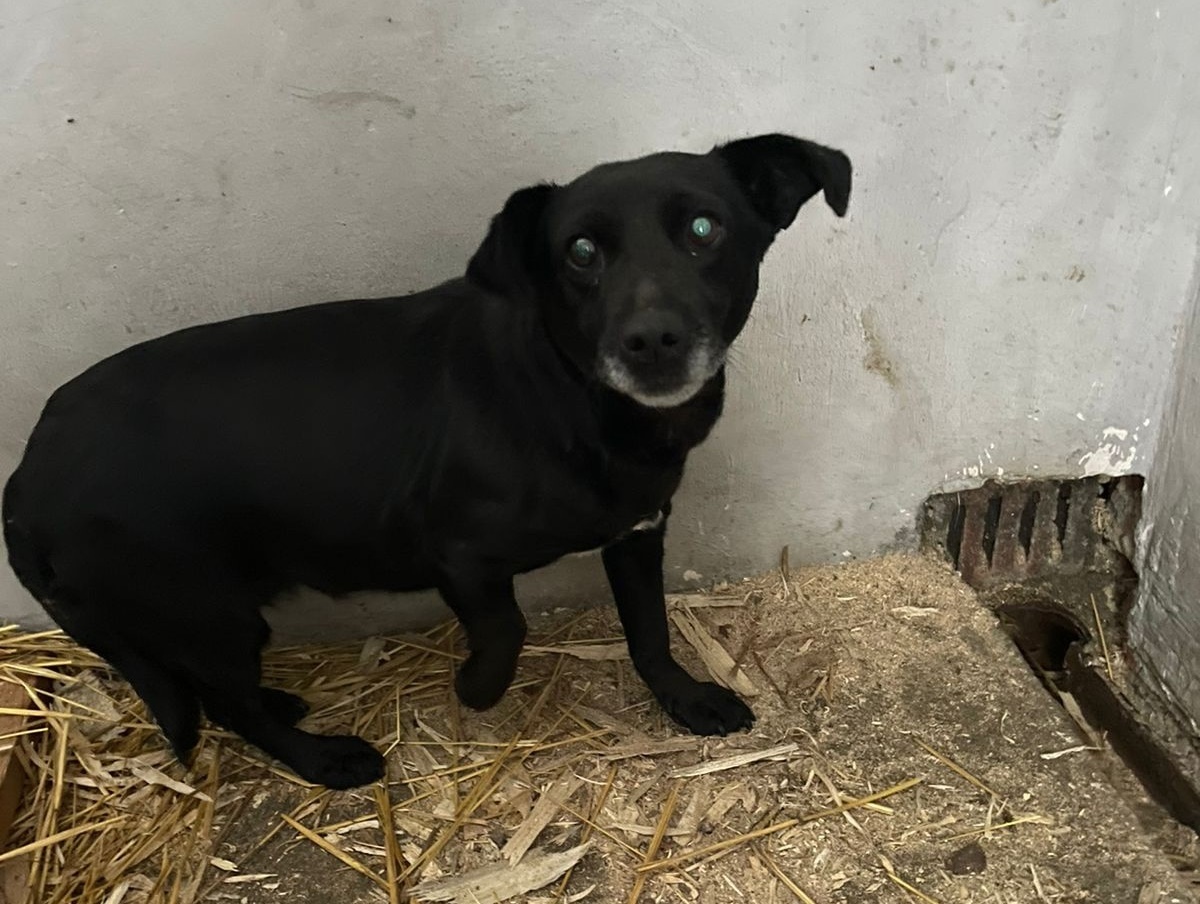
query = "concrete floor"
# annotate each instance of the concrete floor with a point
(867, 677)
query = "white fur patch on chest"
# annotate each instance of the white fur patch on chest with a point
(645, 524)
(649, 523)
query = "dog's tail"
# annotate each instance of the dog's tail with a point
(28, 562)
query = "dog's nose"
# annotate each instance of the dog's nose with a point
(652, 337)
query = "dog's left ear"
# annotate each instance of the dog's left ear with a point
(779, 173)
(512, 254)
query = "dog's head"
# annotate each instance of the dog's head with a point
(645, 270)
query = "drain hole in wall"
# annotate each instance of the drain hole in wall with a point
(1017, 530)
(1078, 541)
(1064, 510)
(1044, 636)
(1028, 519)
(954, 535)
(991, 524)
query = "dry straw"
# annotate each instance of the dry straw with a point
(501, 806)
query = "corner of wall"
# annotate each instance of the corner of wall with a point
(1164, 625)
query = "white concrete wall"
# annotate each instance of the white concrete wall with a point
(1004, 294)
(1165, 622)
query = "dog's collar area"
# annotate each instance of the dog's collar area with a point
(650, 523)
(645, 524)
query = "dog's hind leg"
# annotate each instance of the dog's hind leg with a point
(170, 699)
(180, 624)
(166, 692)
(240, 626)
(335, 761)
(287, 708)
(226, 668)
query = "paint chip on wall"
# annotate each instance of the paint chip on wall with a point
(1113, 456)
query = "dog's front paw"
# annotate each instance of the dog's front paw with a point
(483, 679)
(705, 708)
(340, 762)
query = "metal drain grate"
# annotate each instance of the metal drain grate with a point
(1009, 532)
(1052, 558)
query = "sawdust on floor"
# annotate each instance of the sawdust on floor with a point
(903, 752)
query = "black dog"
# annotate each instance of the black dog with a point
(543, 405)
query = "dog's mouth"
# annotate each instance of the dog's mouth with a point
(663, 386)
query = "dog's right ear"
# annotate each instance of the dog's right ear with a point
(512, 256)
(780, 172)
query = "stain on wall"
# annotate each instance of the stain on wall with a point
(334, 100)
(877, 360)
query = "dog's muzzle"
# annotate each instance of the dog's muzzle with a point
(664, 385)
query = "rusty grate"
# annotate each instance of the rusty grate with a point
(1052, 558)
(1011, 532)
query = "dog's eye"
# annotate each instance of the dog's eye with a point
(704, 231)
(582, 252)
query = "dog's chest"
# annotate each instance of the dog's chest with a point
(645, 524)
(633, 499)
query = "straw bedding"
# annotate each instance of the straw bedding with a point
(902, 753)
